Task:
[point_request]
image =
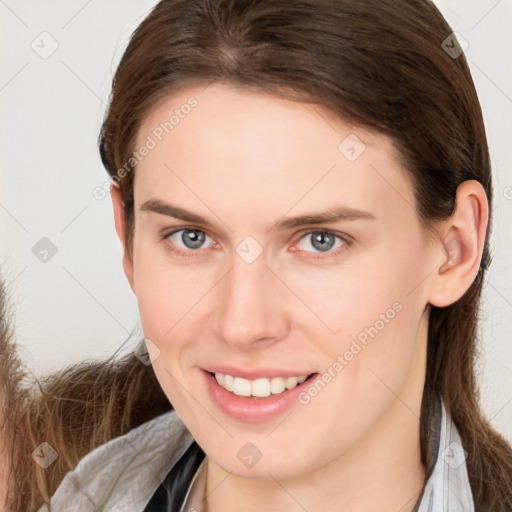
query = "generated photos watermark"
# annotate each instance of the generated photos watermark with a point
(151, 142)
(343, 360)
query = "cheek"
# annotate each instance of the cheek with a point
(173, 302)
(346, 298)
(164, 296)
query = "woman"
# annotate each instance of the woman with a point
(303, 191)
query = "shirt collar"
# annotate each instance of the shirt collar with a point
(447, 488)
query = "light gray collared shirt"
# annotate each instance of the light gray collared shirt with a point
(123, 474)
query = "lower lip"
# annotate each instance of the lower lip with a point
(253, 409)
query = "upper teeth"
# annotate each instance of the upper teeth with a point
(260, 387)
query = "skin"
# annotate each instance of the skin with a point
(245, 161)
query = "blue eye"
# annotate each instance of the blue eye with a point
(321, 241)
(186, 241)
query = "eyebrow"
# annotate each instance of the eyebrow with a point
(342, 213)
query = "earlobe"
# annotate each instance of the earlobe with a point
(461, 245)
(120, 224)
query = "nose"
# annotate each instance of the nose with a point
(249, 306)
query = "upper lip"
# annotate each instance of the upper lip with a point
(255, 373)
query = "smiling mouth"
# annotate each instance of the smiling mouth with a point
(258, 388)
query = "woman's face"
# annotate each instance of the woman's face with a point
(235, 274)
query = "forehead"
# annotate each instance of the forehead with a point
(221, 144)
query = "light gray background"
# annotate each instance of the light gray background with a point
(79, 305)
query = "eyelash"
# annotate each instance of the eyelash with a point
(347, 242)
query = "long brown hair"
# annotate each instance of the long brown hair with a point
(379, 64)
(74, 411)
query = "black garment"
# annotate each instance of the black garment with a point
(170, 494)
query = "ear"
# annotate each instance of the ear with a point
(120, 222)
(461, 245)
